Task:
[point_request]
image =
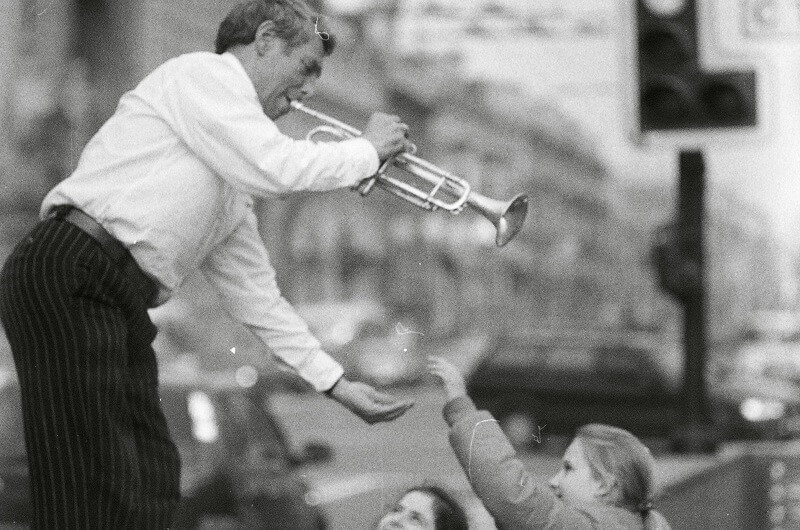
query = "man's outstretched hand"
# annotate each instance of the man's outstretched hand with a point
(367, 403)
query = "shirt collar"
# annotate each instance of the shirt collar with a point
(234, 62)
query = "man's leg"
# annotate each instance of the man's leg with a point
(67, 312)
(159, 463)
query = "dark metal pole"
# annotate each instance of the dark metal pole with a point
(697, 430)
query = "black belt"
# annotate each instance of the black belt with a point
(113, 248)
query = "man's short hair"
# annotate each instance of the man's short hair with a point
(293, 20)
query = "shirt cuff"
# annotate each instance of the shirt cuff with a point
(456, 408)
(329, 390)
(321, 371)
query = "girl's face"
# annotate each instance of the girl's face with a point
(574, 482)
(413, 511)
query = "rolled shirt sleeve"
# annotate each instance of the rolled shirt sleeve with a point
(241, 271)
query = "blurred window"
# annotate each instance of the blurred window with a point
(572, 360)
(517, 356)
(618, 365)
(625, 366)
(204, 418)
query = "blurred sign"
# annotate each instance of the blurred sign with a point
(771, 19)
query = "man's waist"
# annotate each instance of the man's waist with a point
(114, 249)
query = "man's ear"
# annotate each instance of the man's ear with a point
(265, 37)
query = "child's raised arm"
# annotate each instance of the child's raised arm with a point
(453, 381)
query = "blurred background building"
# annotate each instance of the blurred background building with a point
(507, 125)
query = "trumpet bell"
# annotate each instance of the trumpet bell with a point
(507, 217)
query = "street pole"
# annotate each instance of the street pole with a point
(696, 433)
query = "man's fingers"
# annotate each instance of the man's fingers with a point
(397, 410)
(372, 405)
(381, 397)
(405, 405)
(388, 406)
(396, 413)
(390, 413)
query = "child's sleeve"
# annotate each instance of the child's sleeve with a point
(499, 478)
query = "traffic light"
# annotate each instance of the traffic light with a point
(675, 93)
(678, 274)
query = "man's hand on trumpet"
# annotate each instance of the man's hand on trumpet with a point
(388, 134)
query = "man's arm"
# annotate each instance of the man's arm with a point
(213, 108)
(241, 272)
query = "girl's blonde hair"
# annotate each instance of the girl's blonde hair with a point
(620, 460)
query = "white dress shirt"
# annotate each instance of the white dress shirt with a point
(172, 175)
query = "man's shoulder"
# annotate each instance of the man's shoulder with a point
(186, 76)
(202, 65)
(195, 59)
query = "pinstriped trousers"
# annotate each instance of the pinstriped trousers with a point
(99, 450)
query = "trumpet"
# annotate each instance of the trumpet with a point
(441, 191)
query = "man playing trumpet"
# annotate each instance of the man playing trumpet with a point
(163, 189)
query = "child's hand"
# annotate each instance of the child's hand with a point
(451, 378)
